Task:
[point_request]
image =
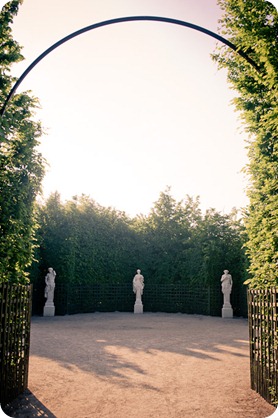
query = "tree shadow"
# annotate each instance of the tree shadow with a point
(111, 345)
(27, 405)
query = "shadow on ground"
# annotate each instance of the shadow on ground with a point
(102, 364)
(27, 405)
(94, 342)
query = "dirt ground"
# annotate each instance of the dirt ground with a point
(155, 365)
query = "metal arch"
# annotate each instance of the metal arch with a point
(120, 20)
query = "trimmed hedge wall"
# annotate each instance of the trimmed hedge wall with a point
(109, 297)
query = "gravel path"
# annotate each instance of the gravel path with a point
(155, 365)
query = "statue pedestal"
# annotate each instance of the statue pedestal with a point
(49, 309)
(138, 307)
(227, 311)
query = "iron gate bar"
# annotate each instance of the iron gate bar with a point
(120, 20)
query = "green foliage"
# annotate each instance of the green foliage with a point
(222, 238)
(21, 166)
(169, 238)
(87, 243)
(253, 26)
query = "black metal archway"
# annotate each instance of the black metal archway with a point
(121, 20)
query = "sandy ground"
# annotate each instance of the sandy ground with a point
(155, 365)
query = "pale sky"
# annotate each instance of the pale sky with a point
(133, 107)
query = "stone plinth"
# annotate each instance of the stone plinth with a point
(49, 309)
(227, 311)
(138, 307)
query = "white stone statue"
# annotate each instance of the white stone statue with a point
(50, 285)
(138, 286)
(227, 284)
(49, 308)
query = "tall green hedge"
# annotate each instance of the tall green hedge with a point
(21, 166)
(253, 27)
(86, 243)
